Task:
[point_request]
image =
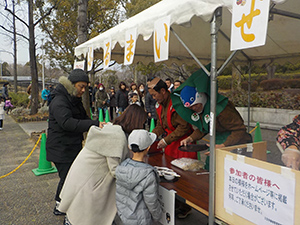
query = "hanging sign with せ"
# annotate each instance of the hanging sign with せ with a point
(249, 23)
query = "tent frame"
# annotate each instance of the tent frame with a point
(216, 23)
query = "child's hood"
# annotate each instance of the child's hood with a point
(130, 173)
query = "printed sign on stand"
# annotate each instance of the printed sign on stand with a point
(259, 195)
(167, 199)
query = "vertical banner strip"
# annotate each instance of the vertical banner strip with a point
(130, 43)
(161, 38)
(90, 58)
(106, 53)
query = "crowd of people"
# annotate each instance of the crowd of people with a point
(116, 184)
(107, 181)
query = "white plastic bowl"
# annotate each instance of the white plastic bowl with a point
(169, 177)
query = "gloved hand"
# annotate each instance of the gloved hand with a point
(291, 158)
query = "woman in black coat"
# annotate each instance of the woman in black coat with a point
(67, 122)
(121, 98)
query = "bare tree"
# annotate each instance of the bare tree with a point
(31, 25)
(14, 39)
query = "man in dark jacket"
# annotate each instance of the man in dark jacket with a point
(67, 122)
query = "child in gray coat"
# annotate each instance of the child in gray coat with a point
(137, 183)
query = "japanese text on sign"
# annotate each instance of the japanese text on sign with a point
(106, 53)
(161, 39)
(130, 42)
(249, 23)
(258, 195)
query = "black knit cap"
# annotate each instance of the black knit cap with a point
(77, 75)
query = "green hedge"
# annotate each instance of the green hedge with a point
(280, 81)
(253, 87)
(282, 100)
(19, 99)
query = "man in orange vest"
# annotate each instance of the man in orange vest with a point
(173, 129)
(169, 124)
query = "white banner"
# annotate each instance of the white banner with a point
(130, 42)
(258, 195)
(167, 199)
(79, 65)
(90, 59)
(249, 23)
(161, 39)
(106, 53)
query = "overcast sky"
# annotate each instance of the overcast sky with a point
(6, 44)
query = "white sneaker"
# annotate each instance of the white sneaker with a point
(1, 128)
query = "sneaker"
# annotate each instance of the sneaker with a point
(56, 212)
(184, 213)
(1, 128)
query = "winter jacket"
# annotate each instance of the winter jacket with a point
(290, 134)
(67, 122)
(8, 104)
(150, 105)
(45, 94)
(130, 96)
(101, 96)
(112, 100)
(89, 192)
(137, 193)
(122, 99)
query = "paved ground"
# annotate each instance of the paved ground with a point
(28, 199)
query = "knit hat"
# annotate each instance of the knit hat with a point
(189, 96)
(78, 75)
(142, 138)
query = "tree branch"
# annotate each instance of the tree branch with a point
(9, 31)
(47, 13)
(18, 18)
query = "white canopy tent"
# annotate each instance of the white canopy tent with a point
(190, 19)
(195, 25)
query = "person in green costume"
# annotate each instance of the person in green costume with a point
(192, 102)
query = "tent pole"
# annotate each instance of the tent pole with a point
(249, 90)
(190, 52)
(228, 60)
(215, 25)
